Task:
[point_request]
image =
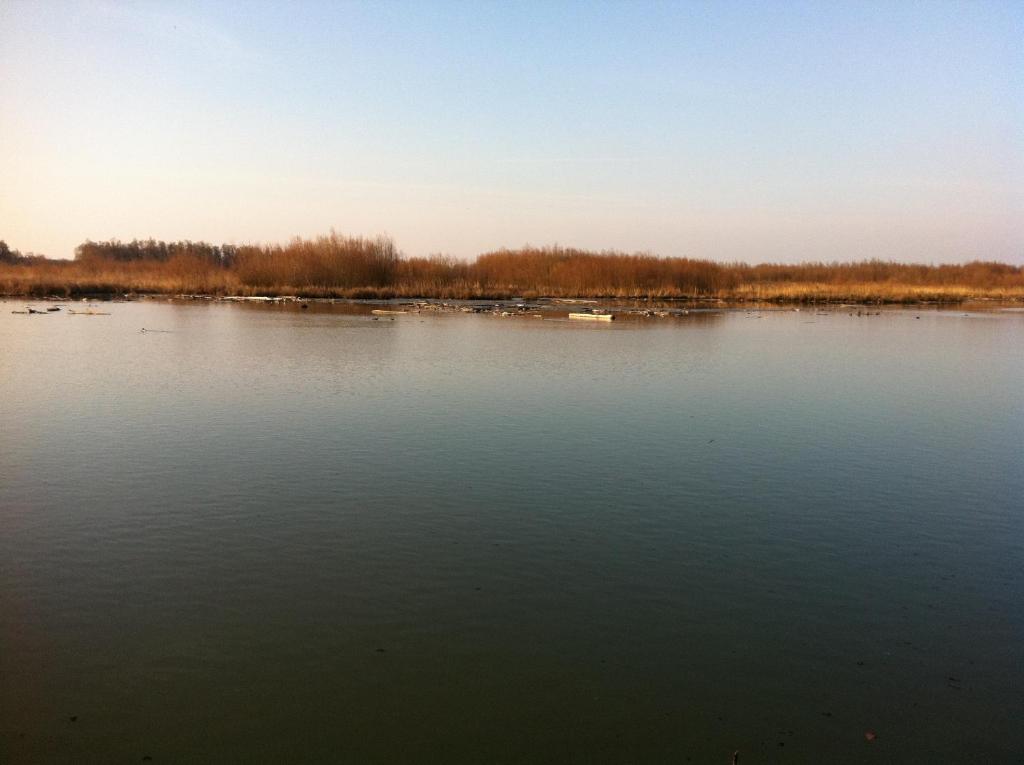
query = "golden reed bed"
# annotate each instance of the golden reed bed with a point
(347, 267)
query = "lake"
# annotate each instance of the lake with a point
(266, 534)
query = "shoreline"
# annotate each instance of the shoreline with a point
(791, 295)
(339, 267)
(520, 306)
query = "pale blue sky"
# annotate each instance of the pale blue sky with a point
(734, 131)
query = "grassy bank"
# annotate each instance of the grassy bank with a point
(346, 267)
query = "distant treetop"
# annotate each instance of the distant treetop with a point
(152, 250)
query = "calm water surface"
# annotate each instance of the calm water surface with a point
(270, 535)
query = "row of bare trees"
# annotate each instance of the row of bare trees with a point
(152, 250)
(338, 265)
(13, 257)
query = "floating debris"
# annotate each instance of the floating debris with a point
(593, 316)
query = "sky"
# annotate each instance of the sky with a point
(754, 131)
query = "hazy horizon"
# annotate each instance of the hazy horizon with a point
(732, 131)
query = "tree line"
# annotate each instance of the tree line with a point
(334, 260)
(337, 265)
(14, 257)
(153, 250)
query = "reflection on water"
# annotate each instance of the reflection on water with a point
(267, 533)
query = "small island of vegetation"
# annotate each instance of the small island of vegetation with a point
(336, 266)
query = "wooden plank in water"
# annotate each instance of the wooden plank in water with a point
(593, 316)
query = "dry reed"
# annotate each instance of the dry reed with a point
(338, 266)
